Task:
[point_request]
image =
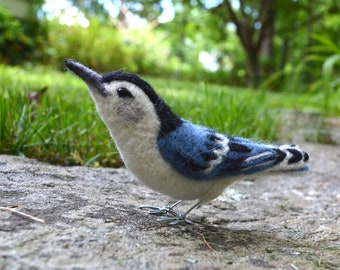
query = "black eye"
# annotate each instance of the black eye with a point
(124, 93)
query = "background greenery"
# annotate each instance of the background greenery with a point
(270, 56)
(289, 40)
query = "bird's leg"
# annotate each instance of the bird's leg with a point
(167, 214)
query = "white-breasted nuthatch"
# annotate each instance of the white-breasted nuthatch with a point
(172, 155)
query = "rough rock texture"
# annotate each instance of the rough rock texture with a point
(92, 220)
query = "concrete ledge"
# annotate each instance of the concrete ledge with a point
(92, 220)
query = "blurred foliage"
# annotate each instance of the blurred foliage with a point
(22, 40)
(105, 48)
(270, 35)
(174, 48)
(144, 50)
(92, 8)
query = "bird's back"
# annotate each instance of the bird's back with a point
(203, 154)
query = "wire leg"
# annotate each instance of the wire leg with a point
(192, 208)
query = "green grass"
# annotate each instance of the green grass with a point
(65, 128)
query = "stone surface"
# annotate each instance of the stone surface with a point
(92, 220)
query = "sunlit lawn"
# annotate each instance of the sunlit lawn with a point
(66, 129)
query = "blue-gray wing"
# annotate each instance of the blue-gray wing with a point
(201, 153)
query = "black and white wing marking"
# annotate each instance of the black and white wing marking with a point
(201, 153)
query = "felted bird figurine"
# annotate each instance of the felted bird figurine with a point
(172, 155)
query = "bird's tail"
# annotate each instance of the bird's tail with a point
(290, 158)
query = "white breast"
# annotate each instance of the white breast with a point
(142, 157)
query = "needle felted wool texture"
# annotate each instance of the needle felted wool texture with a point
(170, 154)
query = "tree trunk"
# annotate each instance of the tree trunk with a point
(255, 45)
(253, 68)
(266, 43)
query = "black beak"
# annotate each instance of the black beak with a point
(90, 77)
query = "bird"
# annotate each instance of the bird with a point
(172, 155)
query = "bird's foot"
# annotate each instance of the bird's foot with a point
(167, 214)
(162, 211)
(159, 211)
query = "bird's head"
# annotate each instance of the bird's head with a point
(124, 99)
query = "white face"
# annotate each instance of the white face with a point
(125, 106)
